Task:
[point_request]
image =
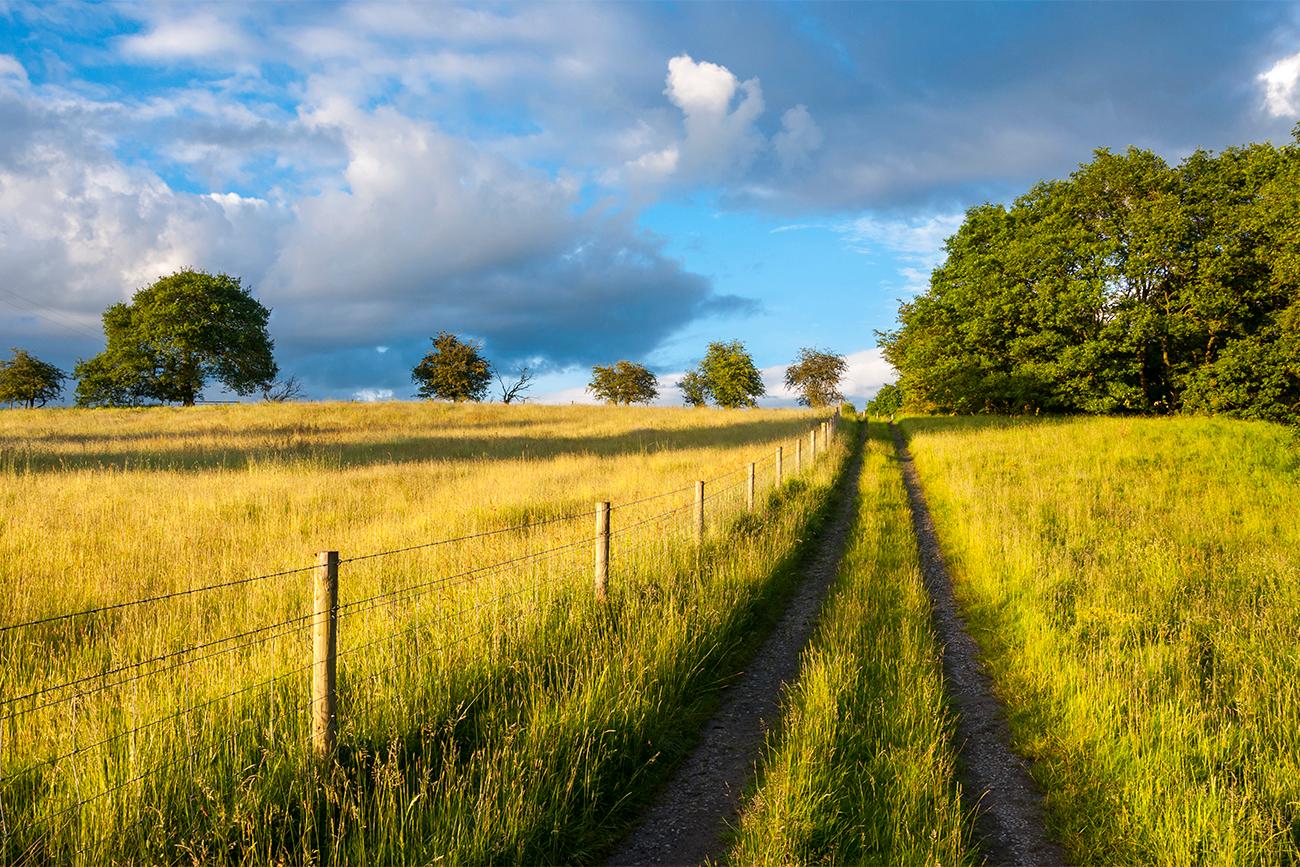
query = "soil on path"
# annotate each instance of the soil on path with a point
(688, 819)
(995, 780)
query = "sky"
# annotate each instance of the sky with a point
(573, 184)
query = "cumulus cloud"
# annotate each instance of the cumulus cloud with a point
(719, 113)
(420, 231)
(1282, 87)
(799, 137)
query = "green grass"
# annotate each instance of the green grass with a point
(1135, 584)
(862, 767)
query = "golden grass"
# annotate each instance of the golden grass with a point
(480, 713)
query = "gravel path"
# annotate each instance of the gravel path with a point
(690, 815)
(1009, 817)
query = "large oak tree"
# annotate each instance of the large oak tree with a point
(174, 337)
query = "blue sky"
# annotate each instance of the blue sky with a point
(570, 183)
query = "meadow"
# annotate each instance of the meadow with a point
(862, 768)
(1135, 587)
(488, 713)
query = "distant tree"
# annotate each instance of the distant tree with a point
(624, 382)
(455, 370)
(283, 390)
(26, 380)
(694, 387)
(816, 376)
(887, 402)
(1130, 286)
(515, 390)
(173, 337)
(733, 380)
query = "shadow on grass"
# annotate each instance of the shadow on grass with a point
(404, 449)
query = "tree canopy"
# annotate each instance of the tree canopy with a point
(176, 335)
(727, 376)
(1131, 286)
(887, 402)
(624, 382)
(455, 370)
(816, 377)
(26, 380)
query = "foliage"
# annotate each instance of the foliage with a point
(1131, 286)
(727, 376)
(694, 388)
(455, 370)
(848, 410)
(624, 382)
(176, 335)
(26, 380)
(887, 403)
(816, 376)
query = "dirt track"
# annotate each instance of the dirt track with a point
(690, 815)
(995, 779)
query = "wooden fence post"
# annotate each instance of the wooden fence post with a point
(749, 488)
(779, 474)
(602, 551)
(699, 513)
(324, 643)
(798, 455)
(812, 446)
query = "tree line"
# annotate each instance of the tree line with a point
(191, 328)
(1132, 286)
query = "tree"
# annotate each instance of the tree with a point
(26, 380)
(455, 370)
(694, 387)
(732, 379)
(282, 390)
(176, 335)
(887, 402)
(514, 391)
(1131, 286)
(816, 376)
(624, 382)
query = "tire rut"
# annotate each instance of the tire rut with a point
(688, 819)
(995, 780)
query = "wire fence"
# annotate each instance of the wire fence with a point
(69, 745)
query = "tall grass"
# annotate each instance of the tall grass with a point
(502, 716)
(1136, 586)
(862, 767)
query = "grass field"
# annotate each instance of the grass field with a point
(1136, 586)
(486, 716)
(862, 769)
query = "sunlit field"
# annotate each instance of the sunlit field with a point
(862, 769)
(1136, 584)
(489, 708)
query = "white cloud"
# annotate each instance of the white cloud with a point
(1282, 87)
(918, 242)
(799, 137)
(719, 113)
(372, 395)
(204, 35)
(10, 67)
